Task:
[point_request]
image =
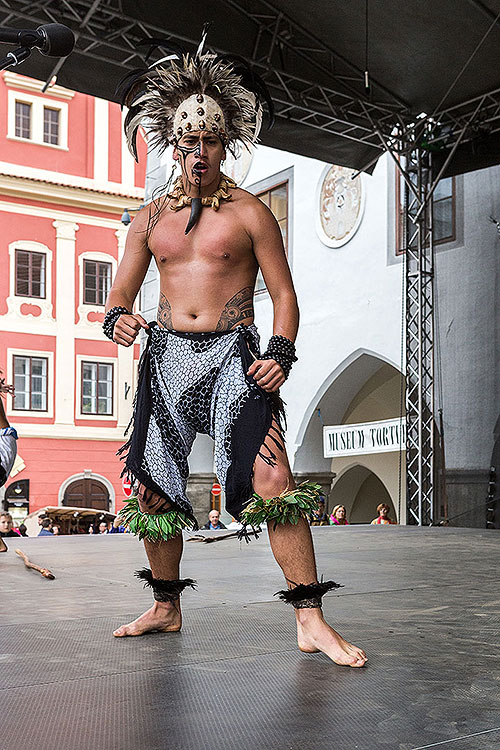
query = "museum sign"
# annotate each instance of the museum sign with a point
(360, 439)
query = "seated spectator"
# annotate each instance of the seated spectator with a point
(56, 530)
(117, 526)
(103, 527)
(46, 529)
(6, 524)
(213, 521)
(339, 516)
(319, 517)
(383, 515)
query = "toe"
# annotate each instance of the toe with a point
(358, 663)
(120, 632)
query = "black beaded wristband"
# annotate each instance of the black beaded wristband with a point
(282, 350)
(110, 319)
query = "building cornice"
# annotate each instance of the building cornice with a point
(47, 176)
(17, 81)
(65, 195)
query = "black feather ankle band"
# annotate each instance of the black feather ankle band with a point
(164, 590)
(309, 596)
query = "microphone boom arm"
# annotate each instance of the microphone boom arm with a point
(16, 57)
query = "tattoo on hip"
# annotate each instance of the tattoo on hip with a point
(237, 309)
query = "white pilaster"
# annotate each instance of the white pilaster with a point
(121, 238)
(65, 314)
(128, 161)
(101, 140)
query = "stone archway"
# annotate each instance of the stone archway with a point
(87, 492)
(360, 490)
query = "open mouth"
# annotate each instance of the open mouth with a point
(200, 168)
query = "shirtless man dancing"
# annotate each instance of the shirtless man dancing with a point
(202, 370)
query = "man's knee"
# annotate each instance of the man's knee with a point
(270, 481)
(151, 502)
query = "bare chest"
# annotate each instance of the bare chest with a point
(218, 239)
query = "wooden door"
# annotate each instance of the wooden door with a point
(87, 493)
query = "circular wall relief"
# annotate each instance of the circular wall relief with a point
(341, 205)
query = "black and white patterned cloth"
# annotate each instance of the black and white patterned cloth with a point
(193, 383)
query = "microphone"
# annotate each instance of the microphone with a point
(52, 39)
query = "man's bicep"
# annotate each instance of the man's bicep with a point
(134, 264)
(270, 252)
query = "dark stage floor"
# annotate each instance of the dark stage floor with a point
(424, 604)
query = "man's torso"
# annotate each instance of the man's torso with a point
(207, 277)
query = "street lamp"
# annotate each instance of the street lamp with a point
(126, 218)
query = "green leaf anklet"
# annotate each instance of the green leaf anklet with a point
(290, 506)
(156, 528)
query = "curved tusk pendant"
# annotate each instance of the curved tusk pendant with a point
(196, 207)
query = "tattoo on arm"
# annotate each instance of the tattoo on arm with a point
(164, 312)
(238, 308)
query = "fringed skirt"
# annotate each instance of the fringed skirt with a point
(193, 383)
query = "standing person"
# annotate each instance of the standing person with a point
(46, 529)
(339, 516)
(383, 518)
(202, 370)
(214, 521)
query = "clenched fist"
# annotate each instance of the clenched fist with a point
(127, 327)
(267, 373)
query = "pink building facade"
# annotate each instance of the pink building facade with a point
(65, 179)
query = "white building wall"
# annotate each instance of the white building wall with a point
(349, 297)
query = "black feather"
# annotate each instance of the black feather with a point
(309, 591)
(164, 45)
(251, 81)
(169, 590)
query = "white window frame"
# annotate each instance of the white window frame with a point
(30, 109)
(22, 413)
(58, 121)
(286, 175)
(37, 106)
(15, 301)
(83, 308)
(102, 361)
(28, 378)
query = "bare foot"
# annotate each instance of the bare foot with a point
(314, 634)
(163, 617)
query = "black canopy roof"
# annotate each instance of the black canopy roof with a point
(438, 58)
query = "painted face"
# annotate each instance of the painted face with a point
(200, 154)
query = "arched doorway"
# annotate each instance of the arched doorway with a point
(87, 493)
(365, 388)
(360, 490)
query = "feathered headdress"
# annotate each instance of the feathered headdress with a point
(183, 92)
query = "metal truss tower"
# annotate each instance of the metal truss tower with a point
(419, 339)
